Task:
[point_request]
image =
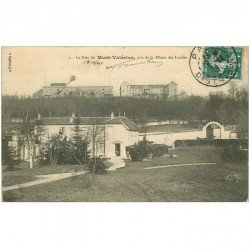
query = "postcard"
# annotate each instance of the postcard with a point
(125, 124)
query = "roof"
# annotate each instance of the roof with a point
(140, 86)
(80, 87)
(128, 124)
(148, 86)
(58, 84)
(66, 120)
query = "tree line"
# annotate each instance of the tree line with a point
(230, 108)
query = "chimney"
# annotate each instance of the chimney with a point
(112, 115)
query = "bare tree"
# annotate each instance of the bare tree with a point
(95, 135)
(31, 132)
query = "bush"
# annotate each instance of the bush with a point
(158, 149)
(144, 148)
(97, 164)
(216, 143)
(9, 153)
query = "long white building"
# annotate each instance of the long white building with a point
(60, 90)
(168, 90)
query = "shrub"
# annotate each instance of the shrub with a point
(141, 150)
(97, 166)
(158, 149)
(216, 143)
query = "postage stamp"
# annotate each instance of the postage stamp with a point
(216, 66)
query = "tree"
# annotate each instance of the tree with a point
(9, 153)
(143, 124)
(55, 150)
(31, 132)
(95, 134)
(78, 144)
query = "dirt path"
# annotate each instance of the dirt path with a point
(117, 162)
(43, 179)
(179, 165)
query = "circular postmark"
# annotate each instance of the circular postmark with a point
(213, 66)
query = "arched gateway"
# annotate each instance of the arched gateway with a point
(213, 130)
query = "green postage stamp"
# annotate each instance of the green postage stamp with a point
(222, 62)
(216, 66)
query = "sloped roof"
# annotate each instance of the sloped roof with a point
(66, 120)
(128, 124)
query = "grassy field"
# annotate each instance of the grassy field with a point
(24, 174)
(220, 182)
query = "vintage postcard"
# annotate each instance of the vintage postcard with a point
(127, 124)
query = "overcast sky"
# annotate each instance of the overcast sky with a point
(34, 67)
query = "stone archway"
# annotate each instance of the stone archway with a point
(209, 129)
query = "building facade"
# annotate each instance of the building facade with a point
(113, 134)
(61, 90)
(168, 90)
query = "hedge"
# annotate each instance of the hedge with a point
(218, 143)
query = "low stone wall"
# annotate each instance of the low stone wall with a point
(170, 138)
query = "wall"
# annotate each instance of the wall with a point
(170, 138)
(117, 133)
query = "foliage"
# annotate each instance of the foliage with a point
(61, 150)
(55, 151)
(216, 143)
(78, 145)
(97, 166)
(9, 154)
(144, 148)
(234, 155)
(231, 108)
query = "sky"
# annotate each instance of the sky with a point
(27, 69)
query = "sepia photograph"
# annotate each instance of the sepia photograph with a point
(125, 124)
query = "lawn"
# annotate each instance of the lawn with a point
(221, 182)
(23, 173)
